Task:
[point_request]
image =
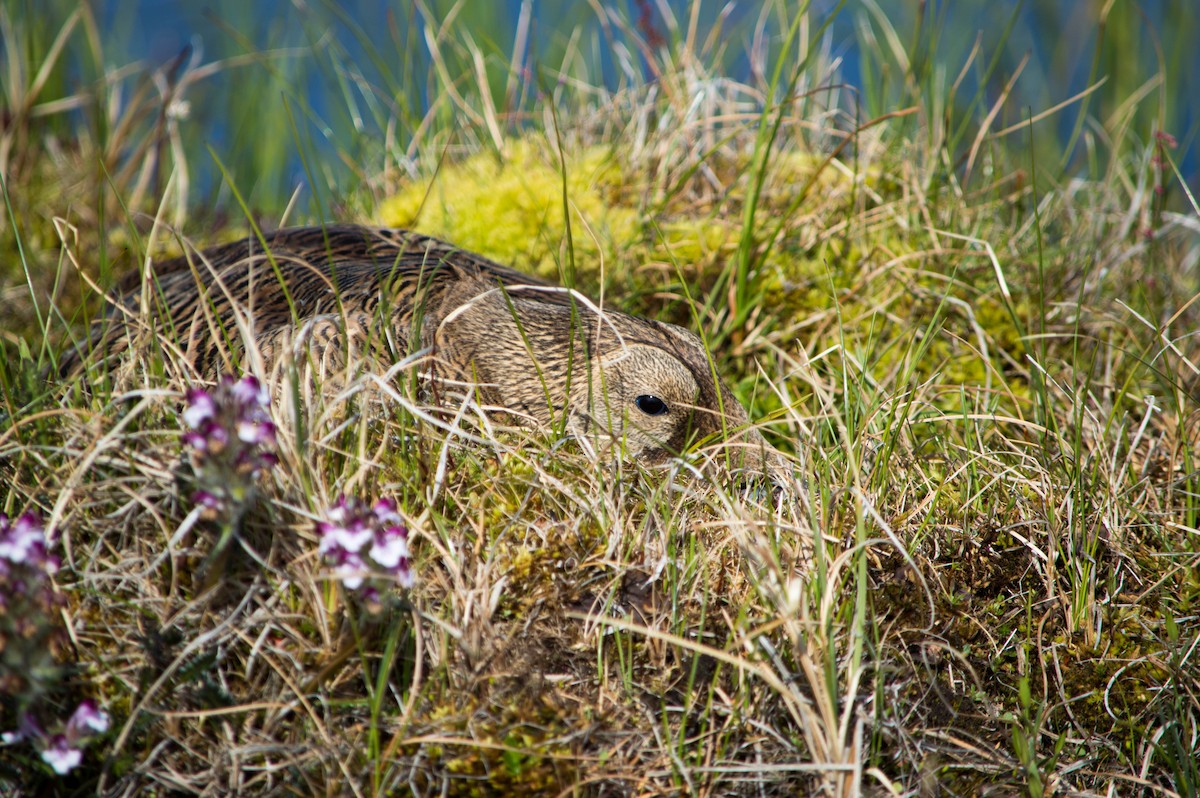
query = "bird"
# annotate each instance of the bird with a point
(544, 355)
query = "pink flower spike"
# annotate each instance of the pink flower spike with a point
(391, 546)
(201, 407)
(61, 756)
(87, 720)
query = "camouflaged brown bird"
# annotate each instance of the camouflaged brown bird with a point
(325, 295)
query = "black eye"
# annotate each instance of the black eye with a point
(651, 405)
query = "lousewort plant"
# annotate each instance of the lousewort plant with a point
(62, 751)
(367, 546)
(29, 605)
(29, 633)
(232, 441)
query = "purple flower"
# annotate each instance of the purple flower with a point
(27, 729)
(256, 432)
(340, 511)
(25, 544)
(208, 500)
(350, 536)
(61, 755)
(230, 436)
(19, 541)
(349, 526)
(30, 626)
(248, 390)
(200, 408)
(217, 435)
(196, 440)
(403, 574)
(350, 568)
(87, 720)
(64, 751)
(385, 511)
(391, 546)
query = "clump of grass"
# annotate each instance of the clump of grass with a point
(983, 365)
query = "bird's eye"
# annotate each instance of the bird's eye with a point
(651, 405)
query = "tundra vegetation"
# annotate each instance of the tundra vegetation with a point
(960, 297)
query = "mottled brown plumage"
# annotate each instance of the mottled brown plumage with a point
(542, 353)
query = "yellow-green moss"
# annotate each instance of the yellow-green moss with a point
(511, 208)
(796, 167)
(692, 240)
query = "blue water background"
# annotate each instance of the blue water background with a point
(1060, 41)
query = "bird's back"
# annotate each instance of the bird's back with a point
(344, 274)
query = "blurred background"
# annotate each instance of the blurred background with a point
(292, 78)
